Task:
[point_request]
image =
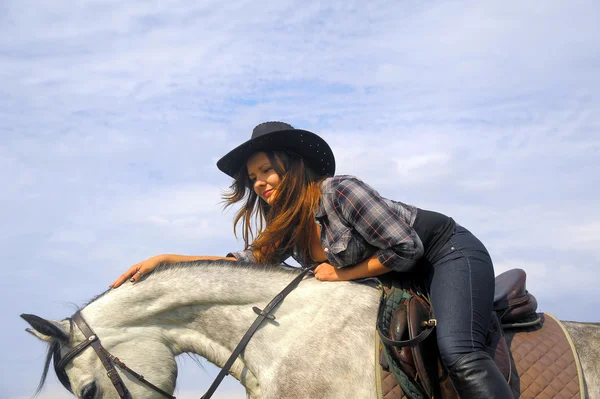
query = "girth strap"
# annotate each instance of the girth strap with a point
(262, 315)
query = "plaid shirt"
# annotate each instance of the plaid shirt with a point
(357, 223)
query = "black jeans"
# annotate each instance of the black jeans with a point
(462, 295)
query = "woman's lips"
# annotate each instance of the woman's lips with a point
(267, 193)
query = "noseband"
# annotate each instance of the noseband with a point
(108, 360)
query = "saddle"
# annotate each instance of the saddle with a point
(409, 356)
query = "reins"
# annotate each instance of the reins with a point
(263, 314)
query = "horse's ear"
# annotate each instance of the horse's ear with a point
(46, 330)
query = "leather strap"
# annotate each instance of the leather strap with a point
(409, 342)
(107, 359)
(401, 344)
(112, 374)
(75, 351)
(262, 315)
(139, 377)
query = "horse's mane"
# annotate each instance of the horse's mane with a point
(224, 264)
(52, 348)
(227, 264)
(53, 353)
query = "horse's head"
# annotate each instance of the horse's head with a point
(84, 374)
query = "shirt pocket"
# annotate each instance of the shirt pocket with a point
(347, 249)
(340, 243)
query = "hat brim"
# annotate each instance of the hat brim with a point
(313, 149)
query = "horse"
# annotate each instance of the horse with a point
(321, 342)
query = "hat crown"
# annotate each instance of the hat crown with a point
(270, 127)
(281, 136)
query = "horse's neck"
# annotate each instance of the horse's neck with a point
(203, 310)
(206, 310)
(190, 296)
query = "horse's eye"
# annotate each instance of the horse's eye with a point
(89, 391)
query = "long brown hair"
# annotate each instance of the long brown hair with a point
(289, 221)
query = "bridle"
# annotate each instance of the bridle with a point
(109, 361)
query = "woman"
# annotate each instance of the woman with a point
(286, 177)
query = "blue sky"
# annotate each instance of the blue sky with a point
(113, 114)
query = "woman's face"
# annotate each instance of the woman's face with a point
(262, 175)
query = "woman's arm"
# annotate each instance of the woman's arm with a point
(362, 208)
(135, 272)
(173, 258)
(369, 267)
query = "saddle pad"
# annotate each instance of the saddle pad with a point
(386, 384)
(544, 358)
(547, 365)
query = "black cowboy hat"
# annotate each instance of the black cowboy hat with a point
(281, 136)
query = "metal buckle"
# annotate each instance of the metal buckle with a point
(430, 323)
(259, 312)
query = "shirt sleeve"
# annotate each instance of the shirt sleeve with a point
(243, 256)
(368, 213)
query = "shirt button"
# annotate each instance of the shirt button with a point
(326, 249)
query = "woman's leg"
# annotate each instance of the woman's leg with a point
(462, 295)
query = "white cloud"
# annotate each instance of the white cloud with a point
(542, 281)
(113, 114)
(423, 167)
(170, 204)
(479, 185)
(584, 236)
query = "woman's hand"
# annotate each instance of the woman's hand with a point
(327, 272)
(369, 267)
(136, 271)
